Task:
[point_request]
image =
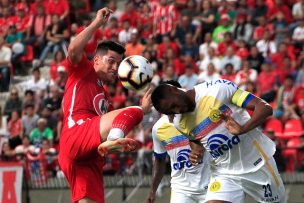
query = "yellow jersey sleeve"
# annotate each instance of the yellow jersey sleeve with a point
(241, 98)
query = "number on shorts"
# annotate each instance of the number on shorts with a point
(267, 190)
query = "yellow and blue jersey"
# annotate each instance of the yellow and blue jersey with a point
(230, 154)
(185, 177)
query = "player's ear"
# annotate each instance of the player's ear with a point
(97, 59)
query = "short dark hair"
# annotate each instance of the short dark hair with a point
(161, 92)
(172, 82)
(104, 46)
(31, 92)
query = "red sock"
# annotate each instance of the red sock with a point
(125, 121)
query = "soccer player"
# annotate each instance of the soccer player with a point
(214, 113)
(89, 129)
(188, 183)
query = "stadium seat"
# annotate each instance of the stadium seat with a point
(274, 125)
(293, 128)
(29, 56)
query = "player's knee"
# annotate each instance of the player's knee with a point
(128, 118)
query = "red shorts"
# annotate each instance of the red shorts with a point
(80, 161)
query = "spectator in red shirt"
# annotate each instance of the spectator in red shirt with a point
(22, 20)
(112, 30)
(145, 24)
(228, 41)
(130, 14)
(5, 21)
(266, 83)
(56, 63)
(166, 43)
(15, 129)
(229, 73)
(171, 60)
(58, 7)
(245, 75)
(242, 51)
(279, 7)
(34, 6)
(37, 28)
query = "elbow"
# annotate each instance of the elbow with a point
(268, 110)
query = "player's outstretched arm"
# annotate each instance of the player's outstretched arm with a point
(76, 47)
(159, 169)
(261, 111)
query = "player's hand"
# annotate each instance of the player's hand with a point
(196, 154)
(119, 145)
(102, 16)
(146, 103)
(231, 125)
(151, 198)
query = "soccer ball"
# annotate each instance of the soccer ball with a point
(135, 72)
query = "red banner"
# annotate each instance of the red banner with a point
(11, 182)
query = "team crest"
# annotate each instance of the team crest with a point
(215, 186)
(100, 104)
(214, 115)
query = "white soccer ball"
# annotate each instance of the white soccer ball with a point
(135, 72)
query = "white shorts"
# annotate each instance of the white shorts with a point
(180, 197)
(264, 185)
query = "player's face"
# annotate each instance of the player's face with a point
(106, 65)
(178, 103)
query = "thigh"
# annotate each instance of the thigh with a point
(180, 197)
(265, 185)
(224, 189)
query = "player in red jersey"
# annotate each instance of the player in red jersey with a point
(89, 130)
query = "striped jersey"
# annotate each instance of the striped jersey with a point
(185, 177)
(230, 154)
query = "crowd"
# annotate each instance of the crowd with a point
(257, 44)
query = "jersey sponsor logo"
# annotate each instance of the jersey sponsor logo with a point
(100, 104)
(219, 143)
(220, 81)
(182, 160)
(215, 186)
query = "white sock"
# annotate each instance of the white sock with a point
(115, 133)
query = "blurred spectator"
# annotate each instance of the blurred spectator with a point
(279, 6)
(37, 83)
(145, 24)
(5, 62)
(206, 17)
(25, 146)
(116, 12)
(41, 132)
(220, 30)
(300, 76)
(5, 20)
(204, 47)
(245, 75)
(15, 130)
(112, 30)
(166, 44)
(37, 29)
(255, 59)
(169, 74)
(3, 127)
(262, 27)
(7, 154)
(59, 8)
(242, 51)
(210, 58)
(230, 57)
(228, 72)
(242, 29)
(175, 62)
(266, 83)
(37, 3)
(285, 106)
(183, 28)
(51, 118)
(209, 74)
(134, 47)
(227, 42)
(130, 14)
(29, 98)
(56, 37)
(266, 46)
(280, 28)
(297, 10)
(29, 120)
(22, 19)
(54, 99)
(299, 100)
(165, 18)
(124, 35)
(189, 79)
(298, 35)
(56, 63)
(12, 103)
(190, 48)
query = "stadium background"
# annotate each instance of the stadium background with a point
(257, 44)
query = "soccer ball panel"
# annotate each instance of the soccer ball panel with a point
(135, 72)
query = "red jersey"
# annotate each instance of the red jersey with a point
(165, 17)
(85, 96)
